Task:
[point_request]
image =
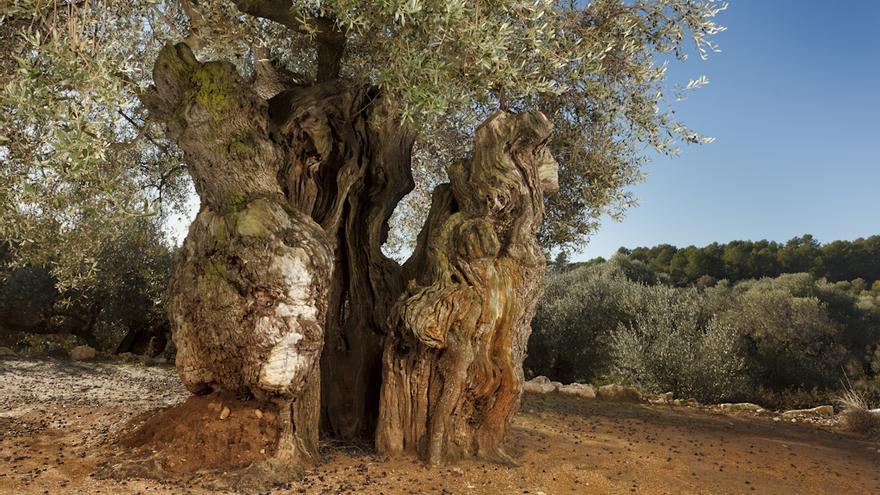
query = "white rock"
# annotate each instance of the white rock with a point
(556, 385)
(83, 353)
(224, 413)
(538, 385)
(578, 390)
(621, 393)
(819, 411)
(741, 407)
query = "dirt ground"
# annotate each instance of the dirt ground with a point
(60, 425)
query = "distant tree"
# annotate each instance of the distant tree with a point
(799, 254)
(793, 342)
(118, 308)
(572, 327)
(561, 261)
(704, 262)
(736, 258)
(678, 267)
(741, 260)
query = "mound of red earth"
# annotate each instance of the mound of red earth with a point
(208, 432)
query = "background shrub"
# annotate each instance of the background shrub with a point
(673, 345)
(119, 307)
(791, 339)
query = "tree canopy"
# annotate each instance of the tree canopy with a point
(82, 155)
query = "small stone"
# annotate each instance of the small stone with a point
(539, 385)
(665, 398)
(83, 353)
(224, 413)
(258, 414)
(741, 407)
(578, 390)
(820, 411)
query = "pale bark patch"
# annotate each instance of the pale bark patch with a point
(283, 365)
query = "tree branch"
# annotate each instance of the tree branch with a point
(331, 46)
(274, 10)
(330, 40)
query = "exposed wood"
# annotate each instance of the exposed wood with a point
(369, 281)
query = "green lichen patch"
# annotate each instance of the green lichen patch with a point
(240, 149)
(260, 219)
(211, 87)
(235, 201)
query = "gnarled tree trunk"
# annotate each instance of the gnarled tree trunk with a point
(452, 371)
(281, 289)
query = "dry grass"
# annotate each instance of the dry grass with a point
(862, 422)
(857, 414)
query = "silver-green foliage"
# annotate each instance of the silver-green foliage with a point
(672, 345)
(618, 320)
(81, 163)
(792, 333)
(80, 151)
(579, 310)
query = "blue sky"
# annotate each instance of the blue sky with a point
(794, 103)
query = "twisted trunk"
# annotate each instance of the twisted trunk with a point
(281, 289)
(452, 368)
(368, 282)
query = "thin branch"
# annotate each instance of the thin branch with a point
(142, 132)
(330, 39)
(274, 10)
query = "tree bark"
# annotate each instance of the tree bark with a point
(452, 375)
(368, 282)
(281, 290)
(250, 287)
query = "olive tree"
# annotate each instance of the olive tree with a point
(303, 125)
